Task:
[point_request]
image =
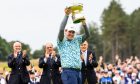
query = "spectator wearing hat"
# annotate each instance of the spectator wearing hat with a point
(124, 80)
(106, 79)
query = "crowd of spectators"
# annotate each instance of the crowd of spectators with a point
(120, 72)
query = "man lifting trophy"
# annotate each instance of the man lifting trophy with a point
(77, 15)
(68, 44)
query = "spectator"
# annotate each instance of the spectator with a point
(117, 78)
(2, 79)
(88, 64)
(18, 61)
(50, 62)
(33, 79)
(105, 79)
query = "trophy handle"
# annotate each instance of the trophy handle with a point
(77, 20)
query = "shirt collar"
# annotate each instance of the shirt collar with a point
(84, 51)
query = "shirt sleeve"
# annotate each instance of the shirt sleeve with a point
(79, 38)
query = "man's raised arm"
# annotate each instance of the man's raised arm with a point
(63, 24)
(86, 35)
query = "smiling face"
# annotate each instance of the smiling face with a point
(84, 46)
(49, 47)
(69, 34)
(17, 47)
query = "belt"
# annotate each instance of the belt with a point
(74, 69)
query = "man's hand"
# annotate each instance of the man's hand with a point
(90, 57)
(100, 59)
(15, 56)
(116, 57)
(46, 55)
(68, 11)
(53, 53)
(82, 57)
(60, 69)
(24, 53)
(83, 22)
(16, 53)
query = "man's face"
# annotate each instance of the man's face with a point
(84, 46)
(32, 76)
(138, 66)
(69, 34)
(49, 48)
(17, 47)
(105, 74)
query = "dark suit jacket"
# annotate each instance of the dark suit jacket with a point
(19, 73)
(90, 66)
(50, 70)
(88, 70)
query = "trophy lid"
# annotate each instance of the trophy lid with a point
(78, 6)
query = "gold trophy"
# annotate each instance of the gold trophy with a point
(77, 15)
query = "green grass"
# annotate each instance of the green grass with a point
(35, 63)
(3, 65)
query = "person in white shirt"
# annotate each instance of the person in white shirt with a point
(2, 79)
(117, 77)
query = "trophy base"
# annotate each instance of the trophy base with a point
(78, 20)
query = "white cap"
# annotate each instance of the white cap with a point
(122, 74)
(105, 70)
(133, 74)
(70, 27)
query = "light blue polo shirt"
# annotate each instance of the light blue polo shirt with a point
(70, 52)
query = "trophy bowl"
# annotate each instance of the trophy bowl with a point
(77, 15)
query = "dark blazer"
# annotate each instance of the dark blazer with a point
(88, 70)
(19, 73)
(50, 70)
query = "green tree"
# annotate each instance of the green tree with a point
(95, 39)
(38, 53)
(134, 32)
(4, 49)
(114, 29)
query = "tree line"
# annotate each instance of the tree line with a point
(118, 33)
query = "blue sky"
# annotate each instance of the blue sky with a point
(36, 22)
